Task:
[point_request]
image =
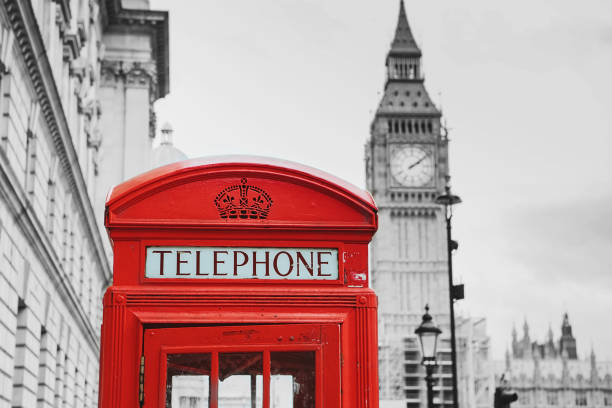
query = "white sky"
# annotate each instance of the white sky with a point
(525, 88)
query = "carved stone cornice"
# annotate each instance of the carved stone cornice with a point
(141, 75)
(94, 139)
(77, 70)
(32, 48)
(64, 6)
(114, 14)
(135, 73)
(72, 46)
(81, 30)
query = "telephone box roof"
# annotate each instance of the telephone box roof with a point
(254, 192)
(134, 184)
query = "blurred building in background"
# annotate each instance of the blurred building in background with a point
(78, 79)
(551, 373)
(406, 169)
(165, 152)
(474, 376)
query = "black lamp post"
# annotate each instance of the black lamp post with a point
(455, 291)
(428, 334)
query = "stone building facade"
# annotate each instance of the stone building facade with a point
(78, 79)
(406, 169)
(552, 374)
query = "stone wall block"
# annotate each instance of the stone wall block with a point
(53, 320)
(6, 388)
(23, 397)
(35, 295)
(9, 320)
(7, 354)
(8, 294)
(28, 330)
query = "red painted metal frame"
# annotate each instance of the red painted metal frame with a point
(159, 343)
(173, 206)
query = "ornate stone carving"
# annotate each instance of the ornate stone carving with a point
(138, 77)
(135, 73)
(72, 46)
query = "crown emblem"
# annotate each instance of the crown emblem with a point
(243, 201)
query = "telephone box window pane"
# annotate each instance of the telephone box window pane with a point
(188, 380)
(240, 380)
(292, 382)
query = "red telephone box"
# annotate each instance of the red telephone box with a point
(239, 282)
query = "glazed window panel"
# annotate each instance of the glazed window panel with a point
(292, 379)
(188, 380)
(240, 380)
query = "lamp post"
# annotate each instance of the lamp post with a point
(455, 291)
(428, 334)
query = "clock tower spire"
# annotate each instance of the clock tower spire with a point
(406, 169)
(404, 58)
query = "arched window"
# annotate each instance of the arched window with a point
(403, 126)
(429, 126)
(396, 127)
(423, 127)
(409, 126)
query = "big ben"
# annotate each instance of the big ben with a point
(406, 169)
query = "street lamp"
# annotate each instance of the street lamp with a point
(455, 291)
(428, 334)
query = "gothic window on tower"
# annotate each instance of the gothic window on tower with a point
(552, 398)
(607, 398)
(581, 398)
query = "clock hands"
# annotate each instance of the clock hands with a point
(417, 162)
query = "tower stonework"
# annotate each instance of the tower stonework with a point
(406, 169)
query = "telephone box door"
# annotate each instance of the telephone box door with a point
(250, 366)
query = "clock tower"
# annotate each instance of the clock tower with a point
(406, 169)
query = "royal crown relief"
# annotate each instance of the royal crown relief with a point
(243, 201)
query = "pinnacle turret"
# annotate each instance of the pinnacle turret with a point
(404, 42)
(404, 58)
(567, 342)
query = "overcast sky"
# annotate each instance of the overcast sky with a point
(525, 89)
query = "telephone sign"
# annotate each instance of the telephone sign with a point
(241, 263)
(242, 282)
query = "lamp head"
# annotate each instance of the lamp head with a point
(428, 334)
(448, 199)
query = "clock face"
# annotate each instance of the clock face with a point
(412, 166)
